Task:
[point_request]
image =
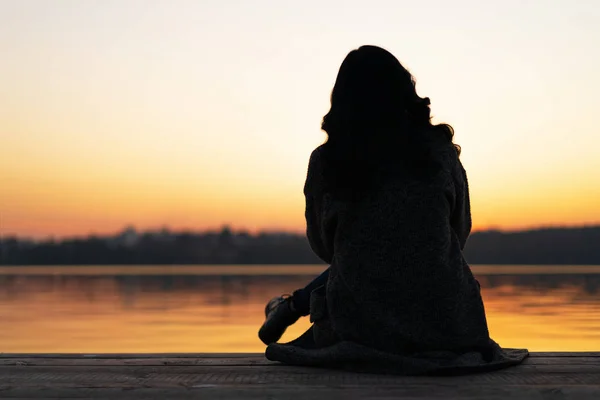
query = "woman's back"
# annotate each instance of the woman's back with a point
(398, 280)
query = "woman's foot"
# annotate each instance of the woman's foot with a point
(279, 314)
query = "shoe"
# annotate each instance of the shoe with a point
(279, 315)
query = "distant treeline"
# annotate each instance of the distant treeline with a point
(542, 246)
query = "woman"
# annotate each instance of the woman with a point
(387, 207)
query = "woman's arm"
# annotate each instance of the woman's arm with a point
(461, 215)
(314, 208)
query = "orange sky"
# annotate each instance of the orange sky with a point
(197, 114)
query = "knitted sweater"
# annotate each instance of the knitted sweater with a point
(400, 296)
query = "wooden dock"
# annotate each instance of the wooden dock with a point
(251, 376)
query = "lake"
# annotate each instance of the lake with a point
(220, 308)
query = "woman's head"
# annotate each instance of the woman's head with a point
(378, 121)
(374, 94)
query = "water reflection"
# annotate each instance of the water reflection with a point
(220, 313)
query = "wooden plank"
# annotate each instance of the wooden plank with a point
(64, 362)
(303, 393)
(566, 354)
(256, 360)
(135, 376)
(562, 360)
(224, 355)
(251, 376)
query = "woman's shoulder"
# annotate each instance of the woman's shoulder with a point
(314, 175)
(316, 155)
(441, 145)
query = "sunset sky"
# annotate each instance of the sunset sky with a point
(195, 114)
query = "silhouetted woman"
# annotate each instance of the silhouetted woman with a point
(387, 207)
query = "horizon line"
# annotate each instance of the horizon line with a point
(255, 232)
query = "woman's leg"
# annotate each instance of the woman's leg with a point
(301, 297)
(283, 311)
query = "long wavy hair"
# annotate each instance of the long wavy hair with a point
(378, 124)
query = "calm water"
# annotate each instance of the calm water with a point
(219, 308)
